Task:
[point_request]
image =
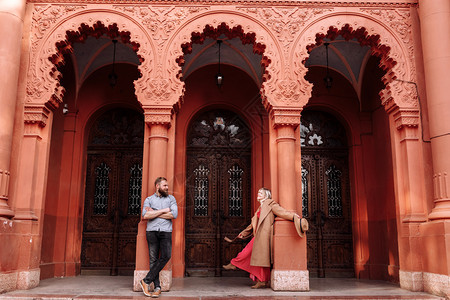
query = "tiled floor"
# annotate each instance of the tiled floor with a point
(216, 288)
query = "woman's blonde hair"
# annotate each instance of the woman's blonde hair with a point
(267, 192)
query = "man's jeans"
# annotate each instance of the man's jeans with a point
(160, 250)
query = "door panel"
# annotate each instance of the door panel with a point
(217, 192)
(112, 194)
(326, 196)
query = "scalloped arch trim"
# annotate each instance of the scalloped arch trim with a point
(361, 35)
(223, 29)
(85, 31)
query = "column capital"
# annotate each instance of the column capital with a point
(161, 115)
(285, 116)
(36, 114)
(405, 117)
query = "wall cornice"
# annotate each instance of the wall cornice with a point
(336, 3)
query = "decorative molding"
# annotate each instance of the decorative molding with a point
(285, 117)
(36, 114)
(373, 3)
(441, 183)
(404, 117)
(158, 115)
(4, 184)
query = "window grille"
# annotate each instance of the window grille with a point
(334, 191)
(101, 189)
(305, 199)
(201, 191)
(235, 191)
(134, 191)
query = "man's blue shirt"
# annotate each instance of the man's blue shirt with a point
(156, 203)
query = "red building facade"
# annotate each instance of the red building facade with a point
(338, 107)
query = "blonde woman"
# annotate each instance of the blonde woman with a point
(256, 258)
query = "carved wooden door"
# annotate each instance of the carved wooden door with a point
(113, 194)
(217, 191)
(326, 196)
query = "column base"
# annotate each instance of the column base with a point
(412, 281)
(165, 277)
(8, 282)
(28, 279)
(290, 280)
(436, 284)
(22, 280)
(25, 215)
(5, 211)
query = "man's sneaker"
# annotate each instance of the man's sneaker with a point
(156, 293)
(145, 289)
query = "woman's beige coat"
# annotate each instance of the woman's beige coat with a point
(262, 229)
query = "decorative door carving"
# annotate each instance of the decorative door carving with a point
(217, 190)
(326, 195)
(113, 193)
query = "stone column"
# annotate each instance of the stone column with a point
(11, 23)
(289, 267)
(435, 33)
(158, 120)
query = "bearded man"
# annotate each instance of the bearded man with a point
(159, 209)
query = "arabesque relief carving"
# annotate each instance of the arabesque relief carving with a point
(400, 21)
(286, 21)
(161, 20)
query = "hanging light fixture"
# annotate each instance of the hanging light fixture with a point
(219, 76)
(113, 76)
(328, 79)
(65, 109)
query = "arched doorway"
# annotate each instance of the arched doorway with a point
(113, 193)
(326, 195)
(218, 192)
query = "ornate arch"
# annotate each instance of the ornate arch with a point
(56, 27)
(388, 33)
(233, 23)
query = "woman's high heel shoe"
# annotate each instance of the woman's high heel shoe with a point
(229, 267)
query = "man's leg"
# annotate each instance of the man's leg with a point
(158, 242)
(153, 251)
(165, 243)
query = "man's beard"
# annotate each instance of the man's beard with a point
(163, 193)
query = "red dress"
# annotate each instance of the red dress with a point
(242, 261)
